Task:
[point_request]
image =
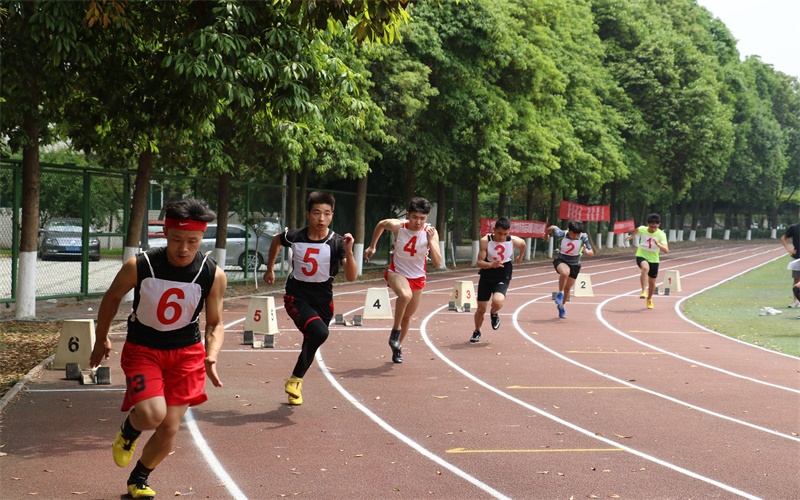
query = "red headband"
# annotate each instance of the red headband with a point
(185, 224)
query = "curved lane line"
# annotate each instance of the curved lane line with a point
(599, 314)
(698, 325)
(399, 435)
(566, 423)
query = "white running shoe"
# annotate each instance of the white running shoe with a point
(794, 305)
(766, 311)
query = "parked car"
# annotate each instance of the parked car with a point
(235, 247)
(235, 254)
(63, 238)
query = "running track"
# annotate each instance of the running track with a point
(616, 401)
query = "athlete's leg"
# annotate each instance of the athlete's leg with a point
(162, 442)
(409, 311)
(480, 311)
(563, 274)
(399, 284)
(497, 302)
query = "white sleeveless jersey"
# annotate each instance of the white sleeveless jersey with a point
(410, 252)
(502, 251)
(311, 262)
(166, 305)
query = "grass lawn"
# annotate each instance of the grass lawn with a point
(732, 308)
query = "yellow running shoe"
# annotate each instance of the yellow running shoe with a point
(140, 489)
(650, 304)
(294, 386)
(123, 449)
(643, 295)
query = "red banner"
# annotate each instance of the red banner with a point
(624, 226)
(575, 211)
(521, 228)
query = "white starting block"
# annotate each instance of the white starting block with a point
(672, 280)
(464, 296)
(583, 286)
(260, 319)
(377, 304)
(75, 343)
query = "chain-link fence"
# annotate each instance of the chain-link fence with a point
(84, 212)
(83, 220)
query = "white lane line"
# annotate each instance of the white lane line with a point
(698, 325)
(208, 453)
(399, 435)
(211, 459)
(599, 314)
(566, 423)
(643, 389)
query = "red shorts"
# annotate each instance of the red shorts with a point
(179, 375)
(414, 283)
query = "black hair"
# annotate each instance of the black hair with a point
(189, 208)
(502, 223)
(654, 218)
(320, 198)
(575, 226)
(420, 205)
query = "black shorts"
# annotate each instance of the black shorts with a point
(653, 273)
(574, 269)
(303, 312)
(488, 287)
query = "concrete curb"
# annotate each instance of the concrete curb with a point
(38, 369)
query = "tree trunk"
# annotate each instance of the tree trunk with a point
(410, 179)
(303, 197)
(475, 226)
(361, 210)
(502, 205)
(26, 291)
(529, 202)
(441, 210)
(224, 205)
(139, 203)
(291, 199)
(361, 222)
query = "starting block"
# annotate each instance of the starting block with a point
(464, 295)
(377, 304)
(583, 286)
(451, 306)
(356, 321)
(260, 319)
(99, 376)
(73, 371)
(75, 343)
(672, 280)
(267, 342)
(666, 291)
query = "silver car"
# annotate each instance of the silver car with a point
(237, 254)
(63, 238)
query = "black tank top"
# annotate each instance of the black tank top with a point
(201, 272)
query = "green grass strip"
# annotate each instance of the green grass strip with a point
(732, 308)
